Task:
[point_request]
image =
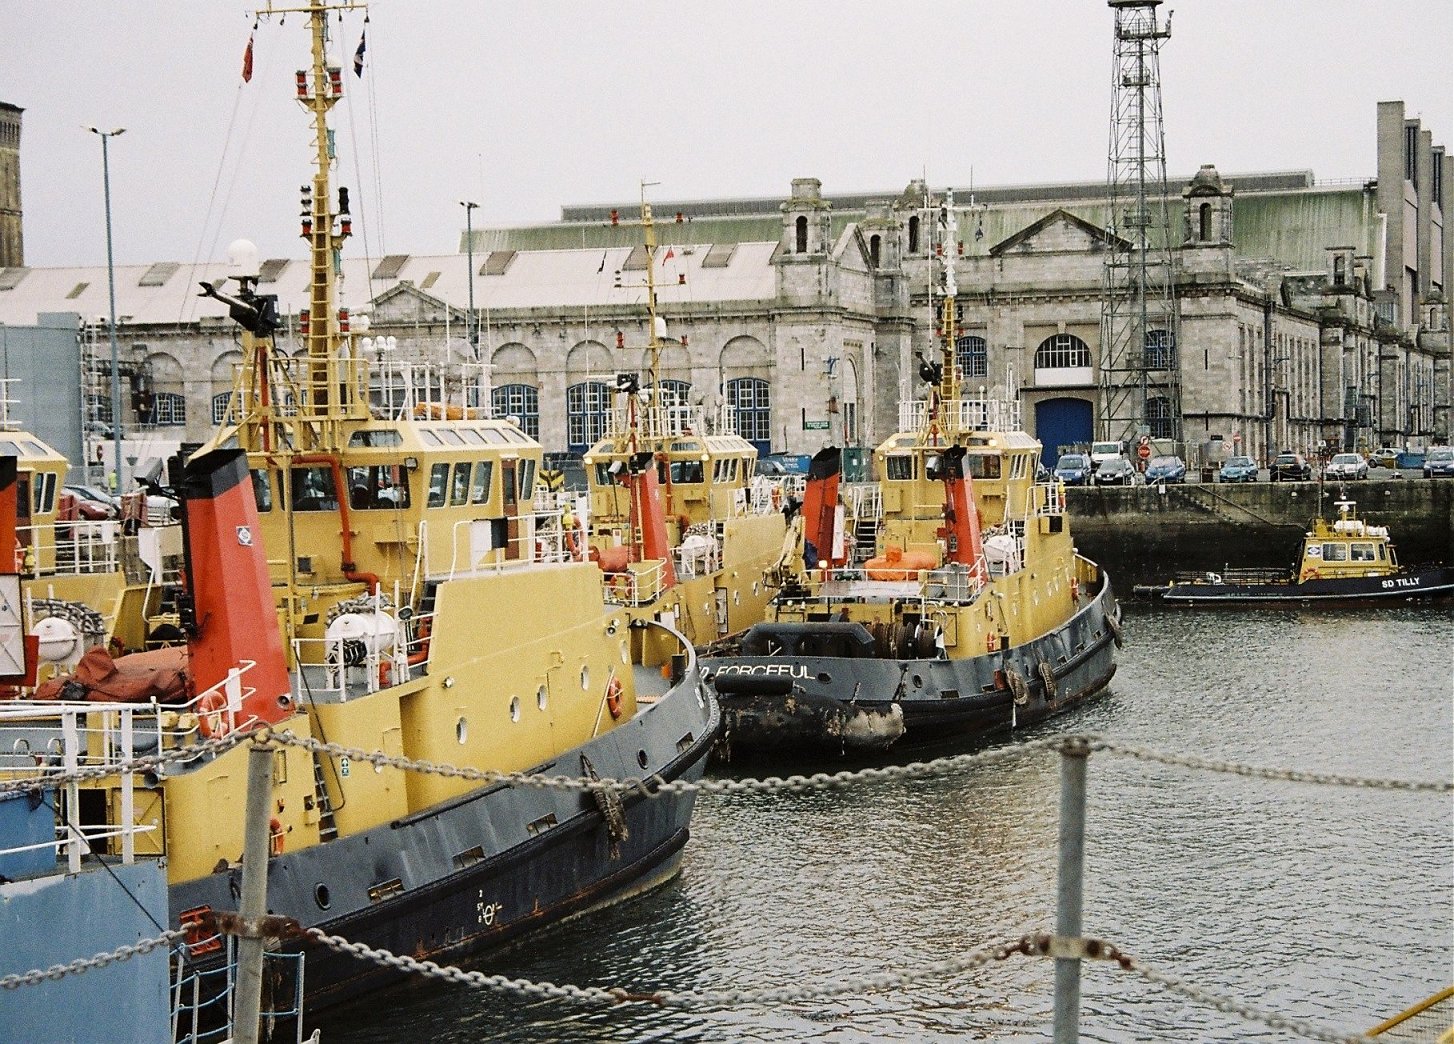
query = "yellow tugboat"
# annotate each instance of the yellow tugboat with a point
(381, 578)
(1341, 562)
(679, 522)
(973, 616)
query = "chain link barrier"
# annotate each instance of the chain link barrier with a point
(1229, 1006)
(651, 786)
(1039, 944)
(56, 972)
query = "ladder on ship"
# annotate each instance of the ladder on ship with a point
(327, 827)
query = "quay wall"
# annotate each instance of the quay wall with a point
(1143, 535)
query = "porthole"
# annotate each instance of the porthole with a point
(824, 677)
(918, 682)
(514, 708)
(322, 897)
(585, 678)
(642, 759)
(461, 731)
(540, 697)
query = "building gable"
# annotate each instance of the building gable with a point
(1059, 232)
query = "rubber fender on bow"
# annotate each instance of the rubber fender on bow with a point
(1114, 626)
(1047, 675)
(1019, 688)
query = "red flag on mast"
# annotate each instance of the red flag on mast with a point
(247, 59)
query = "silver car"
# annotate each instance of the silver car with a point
(1346, 466)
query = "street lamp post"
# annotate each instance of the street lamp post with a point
(469, 245)
(106, 137)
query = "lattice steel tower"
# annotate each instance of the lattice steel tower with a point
(1140, 369)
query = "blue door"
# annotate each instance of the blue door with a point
(1061, 422)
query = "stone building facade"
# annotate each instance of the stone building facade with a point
(1312, 316)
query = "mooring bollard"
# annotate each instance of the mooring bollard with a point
(1074, 754)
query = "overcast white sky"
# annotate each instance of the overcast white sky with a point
(524, 106)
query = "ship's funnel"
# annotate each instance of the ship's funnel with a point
(232, 614)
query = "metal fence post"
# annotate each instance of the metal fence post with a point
(254, 891)
(1070, 890)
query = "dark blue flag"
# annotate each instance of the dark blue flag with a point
(359, 54)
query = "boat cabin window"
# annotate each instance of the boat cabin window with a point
(262, 490)
(1361, 553)
(438, 482)
(429, 438)
(983, 466)
(381, 437)
(899, 467)
(686, 471)
(1335, 552)
(472, 436)
(460, 489)
(44, 492)
(495, 436)
(527, 478)
(480, 488)
(313, 490)
(1380, 553)
(450, 437)
(10, 449)
(603, 474)
(377, 487)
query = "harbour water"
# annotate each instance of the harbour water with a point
(1328, 904)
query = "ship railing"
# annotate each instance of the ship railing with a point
(952, 584)
(73, 548)
(863, 501)
(696, 555)
(336, 669)
(1046, 498)
(639, 586)
(1242, 575)
(668, 420)
(982, 414)
(433, 391)
(43, 739)
(202, 999)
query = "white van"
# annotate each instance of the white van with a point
(1100, 451)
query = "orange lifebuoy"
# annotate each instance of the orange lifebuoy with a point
(573, 541)
(613, 697)
(212, 718)
(275, 837)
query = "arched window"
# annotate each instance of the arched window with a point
(971, 353)
(585, 414)
(169, 410)
(801, 246)
(1060, 351)
(1340, 270)
(751, 398)
(1159, 419)
(674, 393)
(1160, 350)
(1204, 222)
(873, 250)
(521, 402)
(220, 413)
(914, 234)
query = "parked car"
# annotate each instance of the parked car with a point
(1116, 471)
(1238, 469)
(1346, 466)
(1439, 463)
(1290, 467)
(1103, 451)
(94, 504)
(1384, 457)
(1074, 469)
(1165, 469)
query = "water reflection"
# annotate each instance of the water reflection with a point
(1333, 905)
